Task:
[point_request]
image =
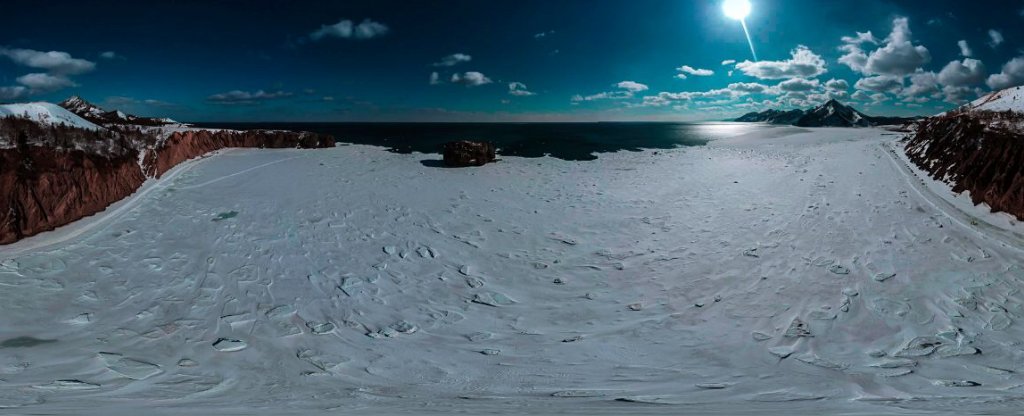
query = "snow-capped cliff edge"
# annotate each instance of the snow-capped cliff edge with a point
(978, 148)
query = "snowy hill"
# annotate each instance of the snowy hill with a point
(97, 115)
(1010, 99)
(46, 113)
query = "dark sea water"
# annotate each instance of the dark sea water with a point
(569, 141)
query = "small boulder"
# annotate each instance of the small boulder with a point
(466, 153)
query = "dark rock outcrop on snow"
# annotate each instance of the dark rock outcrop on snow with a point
(466, 153)
(831, 114)
(977, 151)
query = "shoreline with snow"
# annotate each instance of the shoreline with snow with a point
(780, 273)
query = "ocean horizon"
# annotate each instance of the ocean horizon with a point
(579, 141)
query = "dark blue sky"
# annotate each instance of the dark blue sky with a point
(505, 60)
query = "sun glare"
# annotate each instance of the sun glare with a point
(736, 9)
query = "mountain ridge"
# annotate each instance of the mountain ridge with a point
(100, 116)
(830, 114)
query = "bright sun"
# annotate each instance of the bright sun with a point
(736, 9)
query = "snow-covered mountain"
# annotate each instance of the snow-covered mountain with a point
(47, 114)
(772, 117)
(834, 114)
(97, 115)
(831, 114)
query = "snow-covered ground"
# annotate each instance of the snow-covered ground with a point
(808, 273)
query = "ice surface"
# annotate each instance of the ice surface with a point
(353, 280)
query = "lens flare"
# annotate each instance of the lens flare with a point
(739, 10)
(736, 9)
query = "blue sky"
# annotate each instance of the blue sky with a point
(522, 60)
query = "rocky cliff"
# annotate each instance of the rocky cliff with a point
(54, 173)
(44, 188)
(182, 146)
(981, 152)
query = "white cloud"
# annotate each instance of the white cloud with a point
(45, 82)
(965, 49)
(246, 97)
(803, 64)
(879, 98)
(880, 83)
(898, 56)
(471, 79)
(13, 93)
(435, 78)
(347, 29)
(1012, 75)
(855, 57)
(543, 35)
(961, 73)
(626, 90)
(686, 69)
(996, 38)
(454, 59)
(799, 85)
(110, 55)
(749, 88)
(958, 95)
(728, 62)
(53, 61)
(861, 38)
(519, 89)
(632, 86)
(923, 86)
(837, 85)
(860, 95)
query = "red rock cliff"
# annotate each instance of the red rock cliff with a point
(980, 152)
(182, 146)
(43, 188)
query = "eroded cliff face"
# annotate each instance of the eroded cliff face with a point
(182, 146)
(44, 187)
(979, 152)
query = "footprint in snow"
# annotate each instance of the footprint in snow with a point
(839, 269)
(229, 345)
(320, 328)
(69, 384)
(492, 299)
(881, 277)
(564, 239)
(130, 368)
